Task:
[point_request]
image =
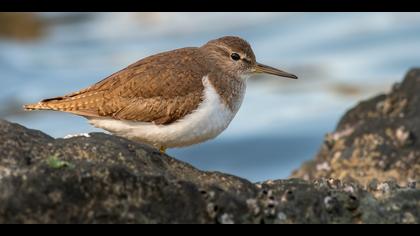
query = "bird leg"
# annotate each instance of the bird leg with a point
(162, 149)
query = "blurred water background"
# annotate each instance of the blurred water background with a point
(340, 59)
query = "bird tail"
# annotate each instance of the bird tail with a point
(64, 104)
(46, 104)
(35, 106)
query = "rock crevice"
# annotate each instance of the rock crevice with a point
(377, 139)
(365, 173)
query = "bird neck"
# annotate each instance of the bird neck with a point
(230, 88)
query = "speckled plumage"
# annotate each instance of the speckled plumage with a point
(209, 119)
(154, 89)
(164, 90)
(161, 88)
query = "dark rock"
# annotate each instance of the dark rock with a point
(107, 179)
(376, 139)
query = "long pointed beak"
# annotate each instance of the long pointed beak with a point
(261, 68)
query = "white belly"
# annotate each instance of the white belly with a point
(210, 118)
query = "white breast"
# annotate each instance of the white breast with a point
(210, 118)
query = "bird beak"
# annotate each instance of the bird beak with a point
(260, 68)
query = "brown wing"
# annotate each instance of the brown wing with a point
(160, 89)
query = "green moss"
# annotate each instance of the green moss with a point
(55, 163)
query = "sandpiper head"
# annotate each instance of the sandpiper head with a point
(234, 55)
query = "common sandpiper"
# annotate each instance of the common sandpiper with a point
(171, 99)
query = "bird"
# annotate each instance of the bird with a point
(170, 99)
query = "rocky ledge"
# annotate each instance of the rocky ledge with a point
(378, 140)
(364, 173)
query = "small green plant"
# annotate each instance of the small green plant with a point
(55, 163)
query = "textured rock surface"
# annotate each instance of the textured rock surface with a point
(106, 179)
(377, 139)
(355, 178)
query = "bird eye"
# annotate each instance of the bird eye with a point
(235, 56)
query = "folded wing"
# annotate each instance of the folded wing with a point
(160, 89)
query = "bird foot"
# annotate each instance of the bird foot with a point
(162, 149)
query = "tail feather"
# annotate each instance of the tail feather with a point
(36, 106)
(55, 103)
(75, 105)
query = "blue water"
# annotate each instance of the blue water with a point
(281, 122)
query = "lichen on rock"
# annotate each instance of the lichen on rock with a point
(107, 179)
(376, 139)
(366, 172)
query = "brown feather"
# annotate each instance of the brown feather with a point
(161, 89)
